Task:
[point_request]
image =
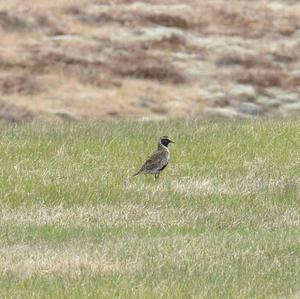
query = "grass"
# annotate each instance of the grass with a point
(223, 221)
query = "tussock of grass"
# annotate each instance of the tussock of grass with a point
(223, 221)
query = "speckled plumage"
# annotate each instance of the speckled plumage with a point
(158, 160)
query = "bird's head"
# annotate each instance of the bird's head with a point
(165, 141)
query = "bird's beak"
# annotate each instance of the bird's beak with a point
(172, 141)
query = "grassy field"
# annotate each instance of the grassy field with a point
(222, 222)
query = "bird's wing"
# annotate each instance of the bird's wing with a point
(156, 161)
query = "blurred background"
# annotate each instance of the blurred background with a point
(156, 59)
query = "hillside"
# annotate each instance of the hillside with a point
(78, 60)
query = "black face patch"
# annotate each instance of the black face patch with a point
(165, 141)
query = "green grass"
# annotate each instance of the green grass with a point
(222, 222)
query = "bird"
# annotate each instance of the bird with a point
(158, 160)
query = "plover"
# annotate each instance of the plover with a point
(158, 160)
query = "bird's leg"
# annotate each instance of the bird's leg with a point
(156, 176)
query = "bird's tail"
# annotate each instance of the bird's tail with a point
(137, 173)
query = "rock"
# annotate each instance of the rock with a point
(219, 112)
(296, 73)
(243, 92)
(144, 103)
(268, 103)
(250, 108)
(290, 110)
(284, 96)
(159, 32)
(289, 98)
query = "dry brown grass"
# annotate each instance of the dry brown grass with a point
(25, 261)
(23, 85)
(107, 47)
(156, 217)
(264, 78)
(12, 113)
